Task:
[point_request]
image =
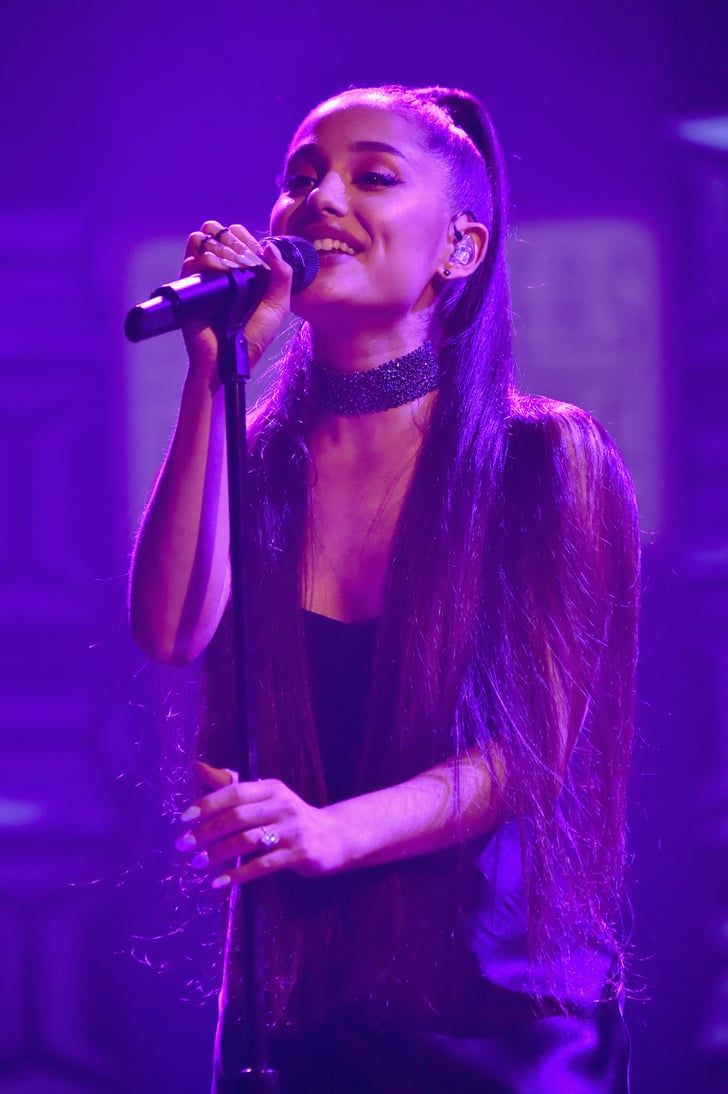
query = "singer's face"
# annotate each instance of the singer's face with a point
(359, 179)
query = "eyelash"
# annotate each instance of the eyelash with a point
(383, 178)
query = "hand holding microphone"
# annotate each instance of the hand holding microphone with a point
(215, 248)
(218, 261)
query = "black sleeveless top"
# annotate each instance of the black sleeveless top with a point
(340, 660)
(500, 1046)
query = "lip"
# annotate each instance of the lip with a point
(326, 257)
(328, 231)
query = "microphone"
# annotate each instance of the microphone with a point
(207, 295)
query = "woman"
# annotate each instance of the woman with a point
(445, 580)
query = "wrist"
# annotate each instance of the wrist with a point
(202, 382)
(348, 838)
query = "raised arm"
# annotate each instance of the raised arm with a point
(179, 579)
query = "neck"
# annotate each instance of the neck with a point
(378, 437)
(384, 427)
(352, 350)
(385, 434)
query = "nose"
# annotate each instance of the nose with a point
(330, 195)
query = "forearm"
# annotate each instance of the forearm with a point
(420, 815)
(180, 570)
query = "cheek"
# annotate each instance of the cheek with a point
(279, 216)
(414, 240)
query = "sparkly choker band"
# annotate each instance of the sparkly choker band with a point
(368, 390)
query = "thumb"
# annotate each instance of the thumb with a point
(215, 777)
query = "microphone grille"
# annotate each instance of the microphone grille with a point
(301, 256)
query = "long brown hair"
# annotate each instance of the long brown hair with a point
(514, 630)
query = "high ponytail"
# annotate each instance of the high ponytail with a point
(466, 112)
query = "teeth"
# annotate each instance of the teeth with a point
(333, 245)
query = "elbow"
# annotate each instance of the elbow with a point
(165, 628)
(483, 801)
(160, 643)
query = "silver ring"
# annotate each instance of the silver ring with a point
(269, 838)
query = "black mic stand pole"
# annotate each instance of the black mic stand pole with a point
(243, 921)
(167, 309)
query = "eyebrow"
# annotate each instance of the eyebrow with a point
(376, 146)
(358, 146)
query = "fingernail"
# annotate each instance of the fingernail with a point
(190, 814)
(247, 258)
(185, 842)
(221, 881)
(200, 860)
(271, 248)
(260, 260)
(250, 261)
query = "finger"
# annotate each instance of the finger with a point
(239, 233)
(281, 273)
(199, 242)
(211, 227)
(196, 259)
(230, 795)
(243, 256)
(208, 830)
(218, 240)
(230, 240)
(270, 863)
(194, 244)
(240, 845)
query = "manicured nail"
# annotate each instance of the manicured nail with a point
(272, 249)
(200, 860)
(221, 881)
(190, 814)
(185, 842)
(248, 259)
(258, 260)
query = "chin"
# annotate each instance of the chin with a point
(318, 299)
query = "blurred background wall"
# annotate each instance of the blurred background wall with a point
(127, 125)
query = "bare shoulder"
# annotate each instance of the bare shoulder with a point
(567, 438)
(560, 457)
(564, 422)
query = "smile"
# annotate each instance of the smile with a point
(333, 245)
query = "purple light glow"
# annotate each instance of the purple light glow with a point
(129, 125)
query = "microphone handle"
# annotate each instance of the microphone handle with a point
(200, 296)
(206, 295)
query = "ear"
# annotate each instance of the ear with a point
(468, 244)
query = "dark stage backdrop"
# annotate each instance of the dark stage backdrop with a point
(125, 126)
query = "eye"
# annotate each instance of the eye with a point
(295, 182)
(378, 178)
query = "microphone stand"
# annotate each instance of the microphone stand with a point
(197, 297)
(243, 918)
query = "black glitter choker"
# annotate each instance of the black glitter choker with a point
(368, 390)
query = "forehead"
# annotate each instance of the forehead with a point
(341, 122)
